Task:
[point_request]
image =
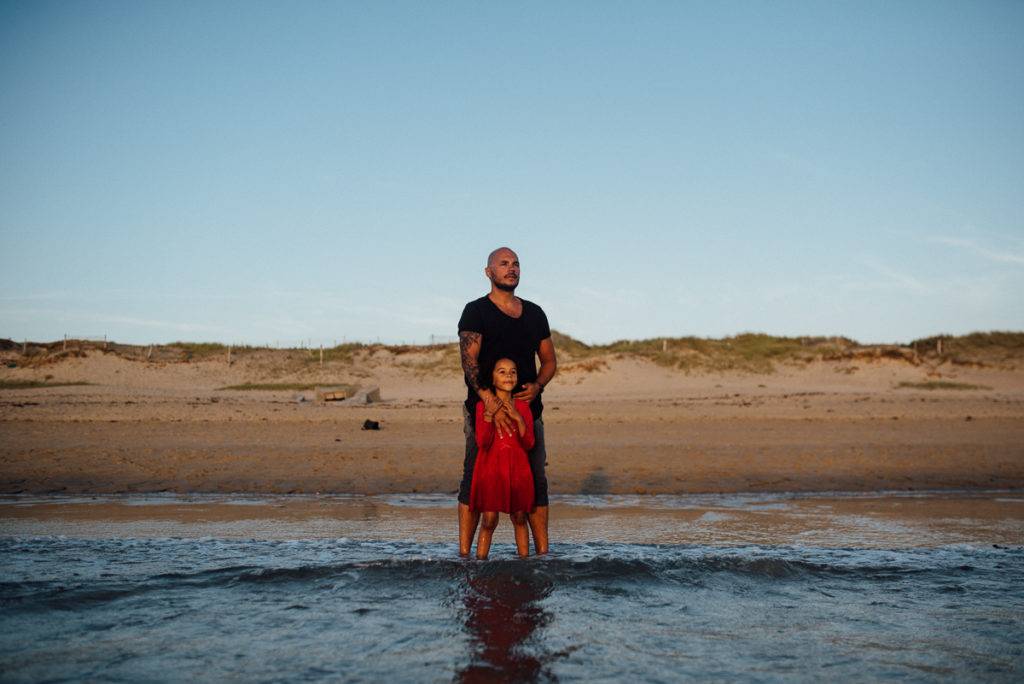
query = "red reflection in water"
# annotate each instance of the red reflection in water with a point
(502, 613)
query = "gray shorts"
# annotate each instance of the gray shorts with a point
(538, 457)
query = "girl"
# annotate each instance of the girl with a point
(502, 481)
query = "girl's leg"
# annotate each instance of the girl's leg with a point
(522, 534)
(488, 521)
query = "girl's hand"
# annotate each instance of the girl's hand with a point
(510, 406)
(517, 417)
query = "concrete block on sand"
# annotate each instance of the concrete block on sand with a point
(332, 393)
(369, 395)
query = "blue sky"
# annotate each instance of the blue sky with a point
(278, 172)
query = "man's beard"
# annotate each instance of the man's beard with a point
(503, 286)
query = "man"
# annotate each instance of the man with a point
(501, 325)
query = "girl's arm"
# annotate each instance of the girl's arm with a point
(526, 437)
(484, 427)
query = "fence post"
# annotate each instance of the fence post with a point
(24, 347)
(321, 356)
(229, 354)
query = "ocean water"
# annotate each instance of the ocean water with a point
(161, 609)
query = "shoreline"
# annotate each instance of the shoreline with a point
(843, 520)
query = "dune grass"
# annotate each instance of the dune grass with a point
(748, 351)
(760, 353)
(985, 347)
(33, 384)
(569, 344)
(273, 386)
(342, 353)
(200, 350)
(940, 385)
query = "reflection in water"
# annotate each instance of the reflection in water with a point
(502, 614)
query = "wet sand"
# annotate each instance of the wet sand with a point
(887, 520)
(78, 442)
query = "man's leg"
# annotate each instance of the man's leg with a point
(467, 518)
(467, 528)
(539, 517)
(539, 527)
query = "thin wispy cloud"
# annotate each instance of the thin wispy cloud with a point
(981, 250)
(98, 320)
(904, 280)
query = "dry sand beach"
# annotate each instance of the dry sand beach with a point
(825, 415)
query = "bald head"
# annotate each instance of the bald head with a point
(503, 269)
(501, 251)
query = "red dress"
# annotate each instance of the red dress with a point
(502, 480)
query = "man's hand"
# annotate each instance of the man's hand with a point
(529, 392)
(504, 424)
(492, 404)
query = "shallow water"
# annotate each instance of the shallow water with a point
(119, 607)
(867, 520)
(129, 609)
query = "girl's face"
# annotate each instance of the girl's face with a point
(505, 376)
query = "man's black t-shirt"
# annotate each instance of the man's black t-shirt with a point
(506, 337)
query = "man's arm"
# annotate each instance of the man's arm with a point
(548, 367)
(469, 348)
(548, 362)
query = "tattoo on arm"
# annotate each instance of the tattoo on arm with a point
(470, 365)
